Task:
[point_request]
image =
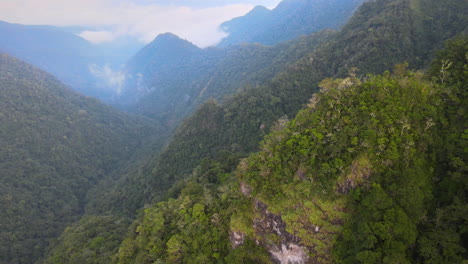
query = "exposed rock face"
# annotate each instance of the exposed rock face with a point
(288, 249)
(292, 254)
(245, 189)
(236, 238)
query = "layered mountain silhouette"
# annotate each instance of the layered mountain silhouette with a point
(72, 59)
(361, 160)
(290, 19)
(170, 77)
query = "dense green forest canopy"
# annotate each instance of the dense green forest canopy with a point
(170, 77)
(359, 164)
(55, 144)
(238, 122)
(372, 171)
(395, 138)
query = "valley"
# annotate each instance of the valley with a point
(314, 132)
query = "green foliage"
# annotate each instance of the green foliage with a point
(94, 239)
(357, 177)
(364, 174)
(55, 145)
(276, 82)
(232, 126)
(355, 134)
(445, 229)
(193, 228)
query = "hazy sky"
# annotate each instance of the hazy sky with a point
(194, 20)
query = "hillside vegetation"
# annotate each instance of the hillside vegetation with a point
(240, 121)
(55, 145)
(170, 77)
(371, 171)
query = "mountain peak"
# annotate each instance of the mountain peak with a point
(288, 20)
(259, 9)
(258, 13)
(164, 47)
(167, 36)
(163, 52)
(171, 39)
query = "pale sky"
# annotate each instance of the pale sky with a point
(195, 20)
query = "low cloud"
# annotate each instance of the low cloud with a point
(109, 79)
(141, 19)
(98, 37)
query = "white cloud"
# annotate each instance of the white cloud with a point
(111, 79)
(97, 37)
(142, 20)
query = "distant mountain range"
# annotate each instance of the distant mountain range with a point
(95, 70)
(256, 85)
(362, 159)
(290, 19)
(75, 61)
(170, 77)
(358, 176)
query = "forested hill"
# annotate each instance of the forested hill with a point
(373, 170)
(55, 144)
(171, 77)
(160, 68)
(240, 66)
(239, 122)
(372, 144)
(289, 20)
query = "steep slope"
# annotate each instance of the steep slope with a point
(239, 123)
(235, 69)
(201, 152)
(359, 176)
(160, 77)
(356, 177)
(241, 120)
(290, 19)
(170, 77)
(56, 144)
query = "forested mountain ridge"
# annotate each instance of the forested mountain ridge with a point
(240, 119)
(55, 144)
(170, 77)
(289, 20)
(239, 122)
(132, 192)
(174, 49)
(203, 215)
(164, 70)
(371, 171)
